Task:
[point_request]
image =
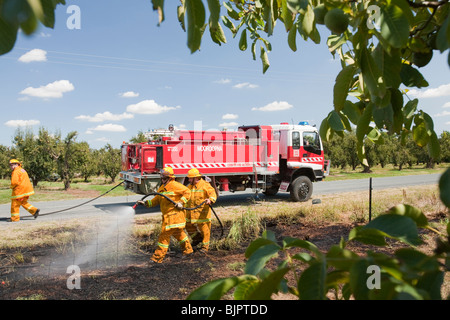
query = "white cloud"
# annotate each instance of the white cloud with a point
(229, 116)
(441, 91)
(51, 90)
(228, 124)
(222, 81)
(108, 127)
(443, 114)
(21, 123)
(34, 55)
(129, 94)
(275, 106)
(149, 107)
(105, 116)
(446, 105)
(244, 85)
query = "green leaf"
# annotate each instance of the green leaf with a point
(383, 116)
(341, 258)
(264, 59)
(396, 226)
(351, 111)
(367, 236)
(217, 34)
(358, 280)
(181, 10)
(290, 242)
(245, 289)
(390, 65)
(416, 260)
(195, 11)
(372, 75)
(434, 147)
(342, 85)
(214, 10)
(411, 77)
(431, 282)
(443, 36)
(292, 39)
(311, 285)
(243, 40)
(256, 244)
(158, 5)
(444, 188)
(336, 41)
(8, 35)
(412, 212)
(420, 135)
(308, 21)
(397, 105)
(259, 258)
(375, 136)
(325, 130)
(394, 26)
(268, 286)
(215, 289)
(335, 121)
(286, 15)
(363, 123)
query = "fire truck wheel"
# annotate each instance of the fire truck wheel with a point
(301, 189)
(271, 191)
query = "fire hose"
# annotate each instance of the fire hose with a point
(193, 208)
(81, 204)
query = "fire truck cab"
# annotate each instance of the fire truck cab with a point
(272, 158)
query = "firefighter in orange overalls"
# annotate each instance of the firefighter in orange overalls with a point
(198, 221)
(22, 189)
(173, 216)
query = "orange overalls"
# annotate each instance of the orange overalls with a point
(198, 221)
(22, 189)
(173, 219)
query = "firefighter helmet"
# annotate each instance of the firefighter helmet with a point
(13, 161)
(167, 172)
(194, 173)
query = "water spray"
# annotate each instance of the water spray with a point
(193, 208)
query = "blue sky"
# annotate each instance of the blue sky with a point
(120, 73)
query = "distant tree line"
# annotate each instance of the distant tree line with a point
(48, 156)
(390, 149)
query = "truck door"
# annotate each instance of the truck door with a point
(311, 143)
(295, 144)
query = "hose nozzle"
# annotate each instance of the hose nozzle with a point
(135, 205)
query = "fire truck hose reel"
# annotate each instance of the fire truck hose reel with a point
(193, 208)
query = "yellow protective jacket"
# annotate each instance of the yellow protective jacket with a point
(20, 184)
(199, 192)
(171, 216)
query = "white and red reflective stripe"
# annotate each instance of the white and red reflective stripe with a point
(312, 159)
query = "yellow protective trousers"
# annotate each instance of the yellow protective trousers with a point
(15, 208)
(164, 241)
(200, 232)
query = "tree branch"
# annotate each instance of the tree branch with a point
(427, 4)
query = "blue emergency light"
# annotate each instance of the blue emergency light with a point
(303, 123)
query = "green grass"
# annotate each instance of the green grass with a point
(387, 171)
(51, 191)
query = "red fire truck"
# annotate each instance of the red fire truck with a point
(267, 158)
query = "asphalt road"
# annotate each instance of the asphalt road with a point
(109, 206)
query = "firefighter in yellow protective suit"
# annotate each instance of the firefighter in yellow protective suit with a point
(173, 216)
(22, 189)
(198, 221)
